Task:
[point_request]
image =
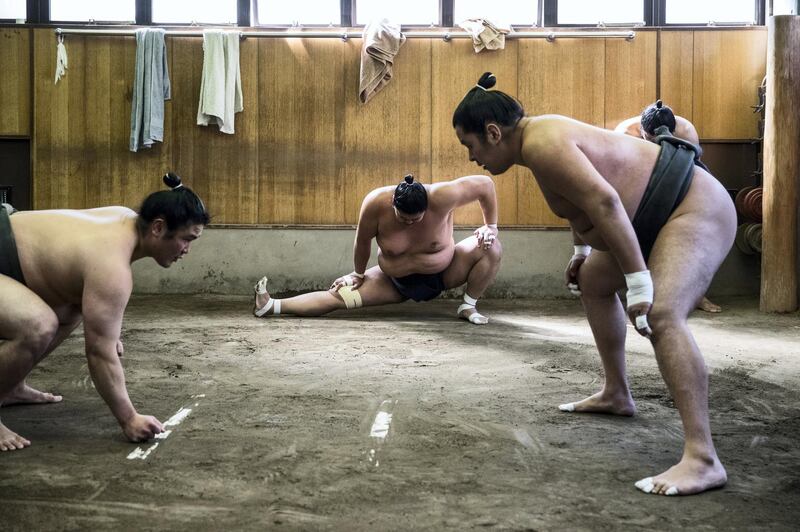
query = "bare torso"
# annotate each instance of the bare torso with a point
(423, 247)
(58, 247)
(624, 161)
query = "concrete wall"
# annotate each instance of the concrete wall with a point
(231, 260)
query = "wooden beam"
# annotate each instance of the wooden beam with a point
(781, 166)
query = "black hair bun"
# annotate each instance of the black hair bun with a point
(488, 80)
(659, 104)
(409, 179)
(172, 180)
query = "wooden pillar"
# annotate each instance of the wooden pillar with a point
(781, 166)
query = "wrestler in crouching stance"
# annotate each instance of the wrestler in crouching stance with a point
(417, 256)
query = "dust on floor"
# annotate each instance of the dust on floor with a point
(400, 418)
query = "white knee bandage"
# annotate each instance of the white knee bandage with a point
(351, 298)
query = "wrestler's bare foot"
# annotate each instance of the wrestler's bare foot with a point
(24, 394)
(708, 306)
(11, 441)
(687, 477)
(620, 404)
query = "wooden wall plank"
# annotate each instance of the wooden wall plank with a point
(728, 68)
(301, 100)
(630, 76)
(390, 135)
(677, 72)
(15, 81)
(221, 168)
(565, 77)
(456, 68)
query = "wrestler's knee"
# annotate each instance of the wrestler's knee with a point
(38, 332)
(494, 252)
(663, 317)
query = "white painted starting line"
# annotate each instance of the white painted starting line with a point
(380, 430)
(174, 421)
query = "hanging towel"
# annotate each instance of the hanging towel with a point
(382, 41)
(221, 84)
(61, 61)
(150, 88)
(486, 35)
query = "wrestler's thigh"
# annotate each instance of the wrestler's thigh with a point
(466, 255)
(378, 289)
(600, 275)
(691, 246)
(23, 311)
(686, 255)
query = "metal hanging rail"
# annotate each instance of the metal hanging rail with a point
(345, 35)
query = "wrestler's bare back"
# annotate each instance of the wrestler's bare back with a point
(57, 248)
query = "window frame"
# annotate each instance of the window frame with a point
(38, 12)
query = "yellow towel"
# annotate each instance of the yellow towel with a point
(382, 41)
(485, 34)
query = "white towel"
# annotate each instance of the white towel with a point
(382, 41)
(486, 35)
(221, 85)
(150, 88)
(61, 61)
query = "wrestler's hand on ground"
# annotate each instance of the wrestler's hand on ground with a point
(571, 273)
(351, 279)
(638, 316)
(141, 428)
(486, 235)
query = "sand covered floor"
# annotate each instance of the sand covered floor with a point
(400, 418)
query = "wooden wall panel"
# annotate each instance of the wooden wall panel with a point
(389, 136)
(455, 69)
(15, 81)
(221, 168)
(82, 127)
(677, 72)
(728, 68)
(630, 76)
(565, 77)
(301, 129)
(306, 150)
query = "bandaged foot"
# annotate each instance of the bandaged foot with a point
(264, 303)
(25, 395)
(687, 477)
(10, 440)
(467, 311)
(602, 403)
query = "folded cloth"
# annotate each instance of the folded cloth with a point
(221, 84)
(382, 41)
(150, 88)
(486, 35)
(61, 61)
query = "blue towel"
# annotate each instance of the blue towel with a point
(150, 88)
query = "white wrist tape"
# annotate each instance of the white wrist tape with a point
(582, 250)
(640, 287)
(493, 226)
(359, 275)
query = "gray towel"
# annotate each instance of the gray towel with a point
(382, 41)
(150, 89)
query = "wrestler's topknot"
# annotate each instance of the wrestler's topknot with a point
(410, 196)
(178, 207)
(481, 106)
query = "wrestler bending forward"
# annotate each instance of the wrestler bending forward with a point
(417, 255)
